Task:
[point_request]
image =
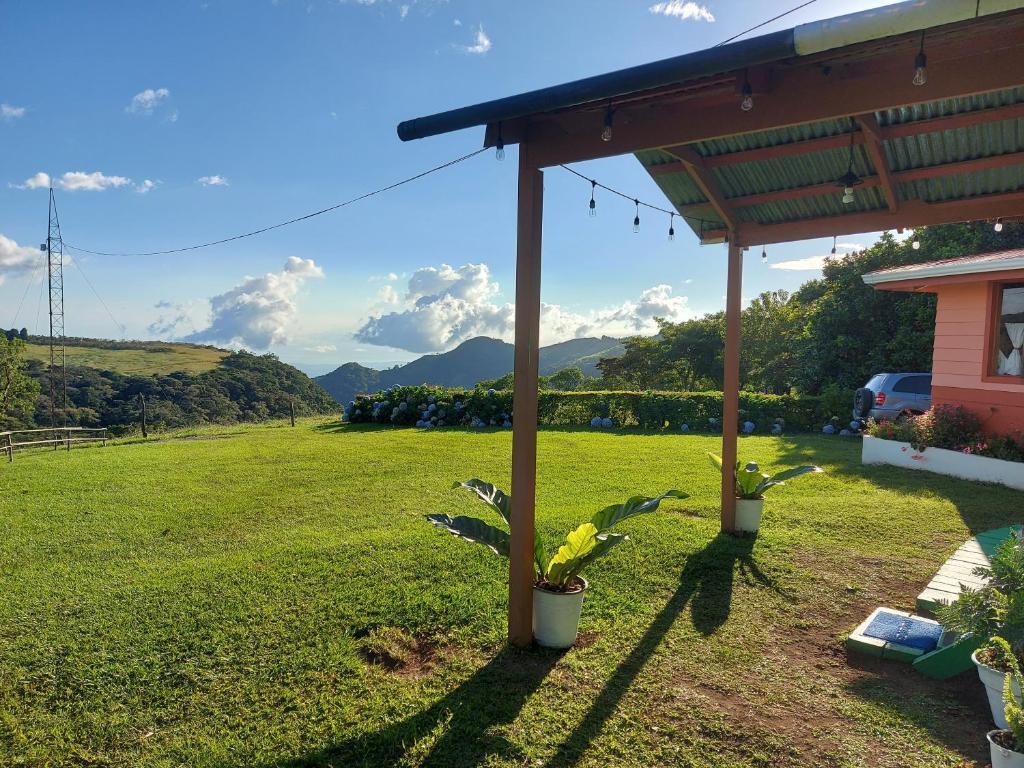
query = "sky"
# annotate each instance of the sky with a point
(167, 124)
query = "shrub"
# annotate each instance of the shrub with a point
(700, 411)
(948, 426)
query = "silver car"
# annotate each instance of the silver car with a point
(891, 395)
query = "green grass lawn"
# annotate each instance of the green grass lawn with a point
(160, 359)
(272, 597)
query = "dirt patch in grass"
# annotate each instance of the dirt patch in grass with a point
(398, 652)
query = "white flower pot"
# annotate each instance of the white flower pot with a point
(1001, 756)
(993, 680)
(556, 616)
(748, 514)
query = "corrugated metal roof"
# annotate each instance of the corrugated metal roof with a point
(996, 261)
(739, 180)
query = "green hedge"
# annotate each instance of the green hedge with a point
(700, 411)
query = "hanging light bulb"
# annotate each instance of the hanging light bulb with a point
(499, 146)
(764, 255)
(636, 219)
(671, 227)
(609, 116)
(916, 245)
(998, 225)
(849, 180)
(833, 245)
(747, 102)
(593, 203)
(920, 65)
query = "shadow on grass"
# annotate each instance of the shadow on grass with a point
(706, 584)
(456, 730)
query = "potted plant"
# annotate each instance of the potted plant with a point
(995, 610)
(558, 587)
(1006, 744)
(750, 485)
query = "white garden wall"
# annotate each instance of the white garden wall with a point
(941, 461)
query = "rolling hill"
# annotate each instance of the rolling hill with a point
(470, 362)
(132, 358)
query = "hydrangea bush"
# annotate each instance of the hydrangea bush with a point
(430, 407)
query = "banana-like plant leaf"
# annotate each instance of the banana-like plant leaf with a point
(605, 543)
(782, 477)
(539, 553)
(578, 544)
(637, 505)
(474, 530)
(494, 497)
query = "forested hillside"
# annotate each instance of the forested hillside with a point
(834, 332)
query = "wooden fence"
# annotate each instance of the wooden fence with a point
(41, 438)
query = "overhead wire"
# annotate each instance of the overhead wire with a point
(295, 220)
(765, 23)
(99, 298)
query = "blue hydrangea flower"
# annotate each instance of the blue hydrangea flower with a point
(596, 421)
(748, 427)
(684, 427)
(828, 429)
(606, 422)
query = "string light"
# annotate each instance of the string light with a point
(609, 116)
(747, 102)
(833, 245)
(849, 180)
(764, 255)
(636, 219)
(593, 203)
(920, 65)
(499, 147)
(998, 227)
(671, 227)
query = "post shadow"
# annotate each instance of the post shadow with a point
(706, 583)
(465, 717)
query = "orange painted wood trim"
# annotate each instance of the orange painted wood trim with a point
(731, 385)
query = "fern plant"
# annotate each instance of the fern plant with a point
(1012, 700)
(588, 542)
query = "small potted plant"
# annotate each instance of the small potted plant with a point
(558, 587)
(750, 485)
(995, 610)
(1006, 744)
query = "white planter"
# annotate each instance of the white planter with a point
(556, 616)
(748, 514)
(875, 450)
(993, 680)
(1002, 757)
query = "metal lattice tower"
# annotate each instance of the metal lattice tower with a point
(58, 370)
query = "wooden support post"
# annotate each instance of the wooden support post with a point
(291, 409)
(731, 384)
(524, 403)
(142, 401)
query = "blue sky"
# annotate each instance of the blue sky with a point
(171, 123)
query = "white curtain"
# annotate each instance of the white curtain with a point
(1014, 363)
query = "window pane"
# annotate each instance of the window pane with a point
(1010, 336)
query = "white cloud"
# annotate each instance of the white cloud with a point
(388, 294)
(322, 349)
(457, 23)
(403, 11)
(35, 181)
(171, 318)
(97, 181)
(144, 102)
(212, 181)
(812, 263)
(482, 42)
(683, 10)
(445, 306)
(17, 259)
(258, 311)
(9, 112)
(390, 277)
(146, 186)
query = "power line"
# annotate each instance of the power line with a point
(31, 280)
(764, 23)
(260, 231)
(99, 298)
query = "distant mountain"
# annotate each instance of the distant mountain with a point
(472, 361)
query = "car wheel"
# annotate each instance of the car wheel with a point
(863, 400)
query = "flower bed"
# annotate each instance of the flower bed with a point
(433, 407)
(953, 428)
(897, 453)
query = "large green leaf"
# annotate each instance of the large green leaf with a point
(538, 552)
(782, 477)
(637, 505)
(494, 497)
(577, 544)
(474, 530)
(563, 571)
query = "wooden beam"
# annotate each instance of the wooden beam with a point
(876, 151)
(952, 122)
(779, 195)
(963, 166)
(731, 384)
(706, 183)
(912, 213)
(800, 94)
(524, 401)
